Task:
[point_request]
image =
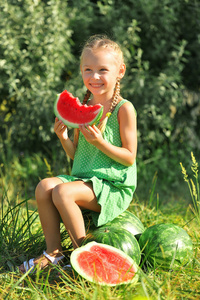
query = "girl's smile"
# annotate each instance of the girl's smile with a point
(94, 85)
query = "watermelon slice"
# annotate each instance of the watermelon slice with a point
(70, 110)
(104, 264)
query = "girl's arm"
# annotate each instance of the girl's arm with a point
(62, 133)
(128, 131)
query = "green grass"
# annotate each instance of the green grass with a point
(21, 237)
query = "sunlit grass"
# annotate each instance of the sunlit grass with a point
(21, 238)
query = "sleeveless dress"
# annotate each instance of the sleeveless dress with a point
(112, 182)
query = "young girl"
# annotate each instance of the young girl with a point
(103, 177)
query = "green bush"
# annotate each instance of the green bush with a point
(36, 48)
(39, 56)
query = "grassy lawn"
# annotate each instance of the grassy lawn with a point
(21, 237)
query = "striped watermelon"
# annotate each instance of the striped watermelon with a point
(166, 245)
(118, 238)
(104, 264)
(70, 110)
(129, 222)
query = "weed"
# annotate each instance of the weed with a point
(193, 186)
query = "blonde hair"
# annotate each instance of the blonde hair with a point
(102, 41)
(96, 42)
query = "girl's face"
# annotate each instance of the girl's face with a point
(100, 70)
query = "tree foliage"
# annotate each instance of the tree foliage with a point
(39, 56)
(35, 49)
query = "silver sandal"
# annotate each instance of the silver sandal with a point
(30, 263)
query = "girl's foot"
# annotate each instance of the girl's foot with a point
(43, 261)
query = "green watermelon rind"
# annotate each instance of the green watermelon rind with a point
(76, 125)
(87, 247)
(129, 222)
(166, 245)
(118, 238)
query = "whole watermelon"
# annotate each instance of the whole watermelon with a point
(127, 221)
(166, 245)
(118, 238)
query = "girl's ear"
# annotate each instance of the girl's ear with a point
(122, 71)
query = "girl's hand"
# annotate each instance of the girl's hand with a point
(125, 154)
(92, 134)
(60, 129)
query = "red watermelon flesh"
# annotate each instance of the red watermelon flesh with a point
(70, 110)
(104, 264)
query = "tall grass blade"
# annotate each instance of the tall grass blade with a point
(193, 187)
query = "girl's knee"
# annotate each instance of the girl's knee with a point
(41, 187)
(44, 188)
(61, 195)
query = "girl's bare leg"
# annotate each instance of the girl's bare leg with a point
(49, 218)
(48, 213)
(68, 198)
(55, 199)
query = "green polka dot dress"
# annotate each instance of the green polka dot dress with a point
(113, 183)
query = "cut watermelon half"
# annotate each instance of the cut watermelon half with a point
(104, 264)
(70, 110)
